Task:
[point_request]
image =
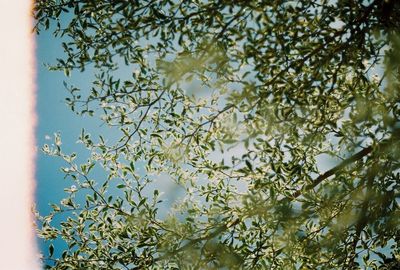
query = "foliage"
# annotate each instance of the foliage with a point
(238, 102)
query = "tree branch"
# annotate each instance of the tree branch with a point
(333, 171)
(379, 148)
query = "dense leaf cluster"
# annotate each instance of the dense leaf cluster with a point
(239, 102)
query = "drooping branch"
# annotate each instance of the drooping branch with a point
(333, 171)
(380, 148)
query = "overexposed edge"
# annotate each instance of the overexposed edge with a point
(18, 248)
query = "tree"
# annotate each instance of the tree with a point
(237, 101)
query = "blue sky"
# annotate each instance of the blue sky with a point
(56, 116)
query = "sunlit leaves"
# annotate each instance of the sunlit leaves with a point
(238, 103)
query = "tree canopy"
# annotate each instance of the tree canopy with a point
(240, 103)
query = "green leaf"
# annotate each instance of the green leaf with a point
(248, 164)
(51, 250)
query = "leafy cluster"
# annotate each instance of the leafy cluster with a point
(238, 102)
